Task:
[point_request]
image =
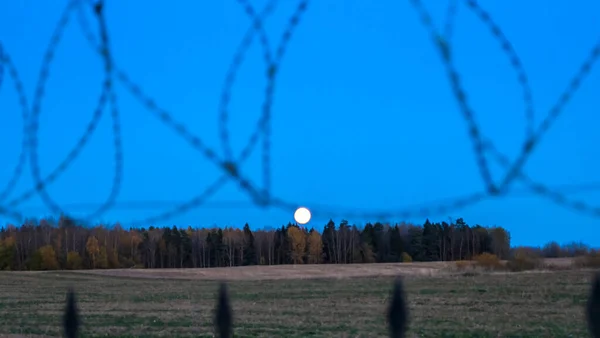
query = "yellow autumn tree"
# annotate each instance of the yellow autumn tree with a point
(315, 247)
(127, 253)
(48, 258)
(102, 262)
(93, 250)
(74, 261)
(297, 239)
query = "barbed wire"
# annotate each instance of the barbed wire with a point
(231, 165)
(108, 94)
(6, 63)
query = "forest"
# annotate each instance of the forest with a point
(51, 244)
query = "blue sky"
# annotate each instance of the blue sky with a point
(363, 117)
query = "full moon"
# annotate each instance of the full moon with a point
(302, 215)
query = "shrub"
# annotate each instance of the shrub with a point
(406, 258)
(524, 259)
(463, 265)
(488, 261)
(74, 261)
(126, 262)
(591, 260)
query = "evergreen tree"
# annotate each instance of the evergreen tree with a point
(249, 250)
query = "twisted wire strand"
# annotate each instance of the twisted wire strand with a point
(514, 171)
(507, 48)
(184, 207)
(73, 153)
(515, 61)
(459, 94)
(107, 94)
(451, 13)
(71, 156)
(6, 63)
(91, 127)
(116, 125)
(245, 154)
(166, 118)
(556, 110)
(554, 195)
(264, 123)
(238, 59)
(236, 63)
(1, 65)
(230, 167)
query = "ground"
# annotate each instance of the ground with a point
(298, 301)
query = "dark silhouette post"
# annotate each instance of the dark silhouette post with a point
(71, 318)
(397, 312)
(223, 316)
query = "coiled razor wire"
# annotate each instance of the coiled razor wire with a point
(230, 164)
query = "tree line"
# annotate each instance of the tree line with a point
(63, 244)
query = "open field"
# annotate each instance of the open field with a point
(275, 302)
(276, 272)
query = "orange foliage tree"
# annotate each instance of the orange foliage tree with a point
(297, 239)
(93, 250)
(315, 247)
(48, 258)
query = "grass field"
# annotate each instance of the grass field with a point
(301, 301)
